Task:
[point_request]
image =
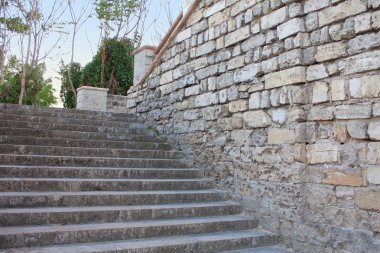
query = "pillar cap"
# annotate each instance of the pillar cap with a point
(92, 88)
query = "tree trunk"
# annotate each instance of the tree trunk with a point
(69, 72)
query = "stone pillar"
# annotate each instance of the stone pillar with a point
(92, 99)
(144, 56)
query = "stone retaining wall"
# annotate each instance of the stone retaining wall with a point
(280, 102)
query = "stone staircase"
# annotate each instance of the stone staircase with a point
(79, 181)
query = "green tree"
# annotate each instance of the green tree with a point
(39, 90)
(67, 95)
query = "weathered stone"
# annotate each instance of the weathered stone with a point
(376, 110)
(254, 100)
(309, 55)
(359, 111)
(341, 11)
(365, 87)
(166, 78)
(206, 48)
(338, 90)
(367, 198)
(248, 73)
(295, 10)
(363, 42)
(316, 72)
(206, 99)
(193, 90)
(376, 19)
(299, 95)
(360, 63)
(285, 77)
(225, 80)
(302, 40)
(274, 18)
(199, 27)
(373, 174)
(300, 153)
(279, 116)
(257, 119)
(280, 136)
(311, 22)
(197, 125)
(290, 28)
(335, 32)
(270, 65)
(357, 130)
(218, 6)
(306, 132)
(340, 133)
(238, 106)
(241, 137)
(321, 36)
(313, 5)
(374, 131)
(336, 177)
(320, 92)
(265, 99)
(297, 115)
(331, 51)
(184, 35)
(318, 113)
(239, 35)
(323, 152)
(362, 23)
(290, 58)
(253, 42)
(348, 29)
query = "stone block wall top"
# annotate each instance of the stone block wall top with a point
(92, 98)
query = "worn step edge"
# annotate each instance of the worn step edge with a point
(72, 184)
(96, 172)
(104, 198)
(260, 250)
(96, 214)
(200, 243)
(82, 233)
(88, 152)
(64, 142)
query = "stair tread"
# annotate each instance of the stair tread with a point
(115, 225)
(95, 168)
(147, 243)
(113, 208)
(148, 180)
(92, 157)
(260, 250)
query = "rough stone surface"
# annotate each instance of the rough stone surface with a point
(285, 77)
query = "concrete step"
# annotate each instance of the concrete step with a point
(260, 250)
(199, 243)
(100, 184)
(129, 129)
(88, 172)
(65, 113)
(88, 152)
(76, 135)
(34, 236)
(43, 160)
(100, 214)
(106, 198)
(77, 142)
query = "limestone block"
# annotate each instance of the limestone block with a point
(363, 42)
(257, 119)
(270, 65)
(295, 10)
(254, 100)
(241, 137)
(265, 99)
(223, 96)
(302, 40)
(290, 58)
(320, 92)
(193, 90)
(313, 5)
(367, 198)
(206, 48)
(316, 72)
(92, 99)
(232, 93)
(285, 77)
(216, 19)
(299, 94)
(238, 106)
(199, 26)
(167, 77)
(335, 32)
(253, 42)
(184, 35)
(373, 174)
(331, 51)
(311, 21)
(318, 113)
(336, 177)
(275, 18)
(238, 35)
(191, 114)
(323, 152)
(338, 90)
(236, 62)
(248, 73)
(279, 115)
(365, 87)
(357, 130)
(340, 133)
(376, 19)
(290, 28)
(360, 63)
(341, 11)
(280, 136)
(359, 111)
(297, 115)
(362, 23)
(374, 3)
(300, 153)
(306, 132)
(376, 110)
(216, 7)
(374, 131)
(206, 99)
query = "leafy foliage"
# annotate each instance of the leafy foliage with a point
(39, 91)
(66, 94)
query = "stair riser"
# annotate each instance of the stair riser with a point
(105, 200)
(39, 186)
(29, 219)
(75, 120)
(97, 235)
(58, 151)
(132, 129)
(68, 113)
(90, 162)
(27, 140)
(76, 135)
(62, 172)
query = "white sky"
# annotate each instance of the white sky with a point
(87, 39)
